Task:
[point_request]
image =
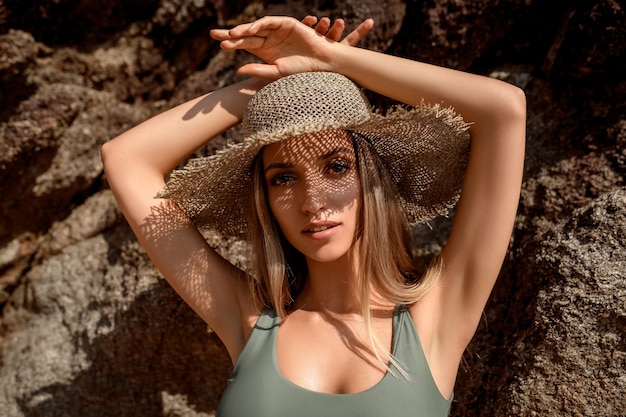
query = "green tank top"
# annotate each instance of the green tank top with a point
(256, 388)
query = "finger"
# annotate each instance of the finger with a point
(247, 43)
(309, 20)
(265, 71)
(264, 23)
(357, 34)
(220, 34)
(336, 31)
(322, 26)
(236, 31)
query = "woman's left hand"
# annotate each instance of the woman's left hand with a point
(287, 45)
(334, 33)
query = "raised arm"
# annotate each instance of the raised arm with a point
(447, 318)
(136, 164)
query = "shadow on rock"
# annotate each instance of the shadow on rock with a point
(159, 356)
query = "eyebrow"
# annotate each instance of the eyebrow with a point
(279, 165)
(333, 152)
(287, 165)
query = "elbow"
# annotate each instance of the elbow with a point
(104, 150)
(106, 153)
(504, 111)
(114, 158)
(517, 115)
(512, 103)
(518, 103)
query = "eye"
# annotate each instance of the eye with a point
(282, 178)
(339, 166)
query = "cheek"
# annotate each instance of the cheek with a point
(281, 203)
(280, 198)
(348, 195)
(355, 208)
(357, 197)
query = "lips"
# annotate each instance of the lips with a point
(319, 227)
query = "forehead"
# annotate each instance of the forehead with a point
(309, 147)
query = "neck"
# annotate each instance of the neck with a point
(331, 287)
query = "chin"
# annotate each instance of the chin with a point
(329, 255)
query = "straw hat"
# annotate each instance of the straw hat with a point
(424, 149)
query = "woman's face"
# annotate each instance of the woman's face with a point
(313, 190)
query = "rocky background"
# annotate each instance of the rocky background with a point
(88, 327)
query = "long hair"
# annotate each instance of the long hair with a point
(278, 271)
(386, 261)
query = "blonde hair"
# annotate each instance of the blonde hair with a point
(279, 271)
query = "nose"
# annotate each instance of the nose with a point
(314, 199)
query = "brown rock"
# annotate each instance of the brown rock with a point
(89, 328)
(572, 355)
(50, 153)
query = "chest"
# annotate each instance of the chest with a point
(258, 387)
(334, 356)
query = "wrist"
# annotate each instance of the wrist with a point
(334, 59)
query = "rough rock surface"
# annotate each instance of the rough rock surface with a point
(576, 333)
(88, 327)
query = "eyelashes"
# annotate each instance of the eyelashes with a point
(281, 179)
(339, 166)
(333, 169)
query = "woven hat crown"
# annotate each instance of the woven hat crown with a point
(300, 104)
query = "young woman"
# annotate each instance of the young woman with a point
(332, 318)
